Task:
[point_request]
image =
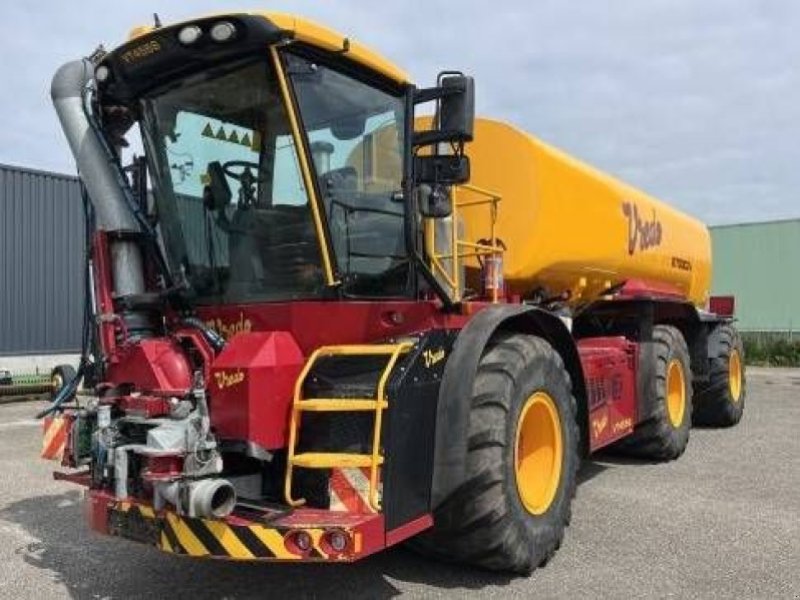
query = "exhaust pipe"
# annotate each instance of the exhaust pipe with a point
(210, 498)
(99, 171)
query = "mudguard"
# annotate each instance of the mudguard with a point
(455, 393)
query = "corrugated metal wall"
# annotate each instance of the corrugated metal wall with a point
(759, 263)
(41, 262)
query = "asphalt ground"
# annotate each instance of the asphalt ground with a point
(721, 522)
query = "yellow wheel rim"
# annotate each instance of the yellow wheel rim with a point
(676, 393)
(735, 375)
(57, 382)
(538, 453)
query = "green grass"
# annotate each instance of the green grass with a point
(771, 350)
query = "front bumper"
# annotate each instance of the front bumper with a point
(238, 537)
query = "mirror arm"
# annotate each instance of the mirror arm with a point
(434, 93)
(434, 136)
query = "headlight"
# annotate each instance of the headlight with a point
(189, 35)
(102, 73)
(223, 31)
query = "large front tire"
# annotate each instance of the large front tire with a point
(511, 512)
(719, 402)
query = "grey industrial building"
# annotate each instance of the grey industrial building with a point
(41, 262)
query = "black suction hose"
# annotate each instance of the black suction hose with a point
(87, 337)
(215, 340)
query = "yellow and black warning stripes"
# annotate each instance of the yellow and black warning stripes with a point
(210, 538)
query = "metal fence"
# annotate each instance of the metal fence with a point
(41, 262)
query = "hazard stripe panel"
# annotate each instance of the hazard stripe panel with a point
(212, 538)
(55, 436)
(349, 490)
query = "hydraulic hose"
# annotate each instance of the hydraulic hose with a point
(216, 341)
(70, 387)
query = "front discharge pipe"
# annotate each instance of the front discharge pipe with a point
(210, 498)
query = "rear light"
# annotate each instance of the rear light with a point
(189, 35)
(223, 31)
(298, 542)
(335, 541)
(303, 540)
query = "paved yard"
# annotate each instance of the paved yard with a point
(722, 522)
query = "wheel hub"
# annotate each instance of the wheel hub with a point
(735, 375)
(676, 393)
(538, 453)
(57, 382)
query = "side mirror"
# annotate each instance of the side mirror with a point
(457, 108)
(444, 169)
(455, 122)
(434, 201)
(217, 194)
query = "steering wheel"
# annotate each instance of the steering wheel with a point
(248, 181)
(244, 173)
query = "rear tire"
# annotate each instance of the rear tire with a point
(665, 434)
(522, 408)
(719, 402)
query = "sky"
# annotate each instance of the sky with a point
(695, 102)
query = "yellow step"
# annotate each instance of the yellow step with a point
(339, 405)
(330, 460)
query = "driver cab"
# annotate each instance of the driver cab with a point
(241, 222)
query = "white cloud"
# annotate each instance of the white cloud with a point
(695, 102)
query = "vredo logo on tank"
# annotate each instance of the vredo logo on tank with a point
(642, 233)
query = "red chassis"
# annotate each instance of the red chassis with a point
(262, 354)
(251, 383)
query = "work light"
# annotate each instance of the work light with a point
(189, 35)
(222, 31)
(101, 73)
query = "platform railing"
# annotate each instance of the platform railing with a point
(461, 249)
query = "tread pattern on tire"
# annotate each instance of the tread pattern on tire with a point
(713, 406)
(656, 438)
(484, 523)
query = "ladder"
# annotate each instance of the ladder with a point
(332, 460)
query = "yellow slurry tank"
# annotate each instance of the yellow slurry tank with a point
(570, 227)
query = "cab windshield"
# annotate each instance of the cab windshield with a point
(355, 136)
(260, 244)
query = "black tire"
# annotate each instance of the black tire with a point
(714, 401)
(61, 376)
(485, 523)
(658, 438)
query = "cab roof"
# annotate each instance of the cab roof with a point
(314, 34)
